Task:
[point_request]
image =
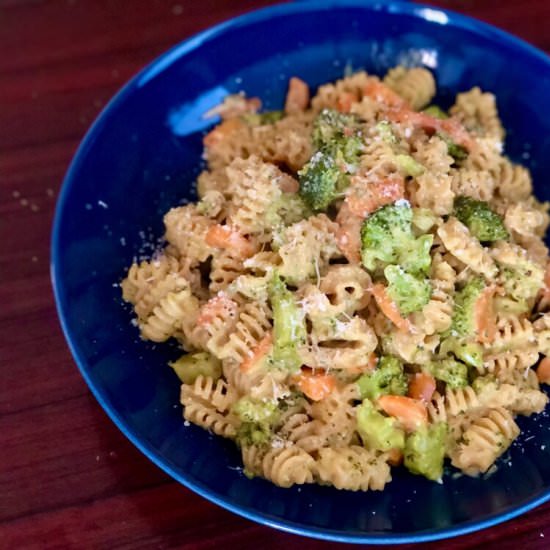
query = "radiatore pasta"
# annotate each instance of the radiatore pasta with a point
(362, 284)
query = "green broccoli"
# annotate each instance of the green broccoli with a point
(423, 219)
(190, 366)
(260, 119)
(387, 378)
(319, 181)
(523, 281)
(257, 420)
(410, 166)
(410, 293)
(469, 353)
(386, 133)
(289, 208)
(387, 238)
(332, 128)
(384, 233)
(456, 151)
(289, 328)
(338, 145)
(378, 432)
(463, 324)
(484, 383)
(453, 373)
(483, 223)
(425, 451)
(436, 112)
(414, 256)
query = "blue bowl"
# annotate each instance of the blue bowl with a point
(141, 157)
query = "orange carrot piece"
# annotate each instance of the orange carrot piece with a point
(260, 351)
(543, 371)
(422, 386)
(219, 305)
(344, 102)
(223, 236)
(222, 131)
(389, 308)
(382, 93)
(297, 97)
(366, 197)
(316, 385)
(450, 126)
(411, 413)
(485, 319)
(395, 457)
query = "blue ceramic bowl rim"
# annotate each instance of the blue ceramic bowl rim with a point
(397, 7)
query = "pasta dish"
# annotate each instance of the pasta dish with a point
(361, 284)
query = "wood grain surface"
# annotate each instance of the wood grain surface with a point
(68, 477)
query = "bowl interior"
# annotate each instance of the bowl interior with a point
(141, 158)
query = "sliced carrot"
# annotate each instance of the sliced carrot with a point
(258, 353)
(422, 386)
(383, 94)
(450, 126)
(485, 319)
(411, 413)
(220, 305)
(224, 236)
(297, 97)
(365, 197)
(543, 371)
(287, 183)
(395, 457)
(315, 385)
(221, 132)
(389, 308)
(344, 102)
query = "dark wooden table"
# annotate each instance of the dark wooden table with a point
(68, 477)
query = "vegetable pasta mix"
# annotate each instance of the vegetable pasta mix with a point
(362, 283)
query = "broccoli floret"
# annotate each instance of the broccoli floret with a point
(387, 238)
(483, 223)
(414, 256)
(257, 420)
(289, 208)
(190, 366)
(468, 352)
(260, 119)
(425, 451)
(384, 234)
(483, 383)
(453, 373)
(331, 128)
(456, 151)
(410, 293)
(289, 328)
(378, 432)
(319, 181)
(387, 378)
(338, 146)
(410, 166)
(523, 281)
(464, 310)
(423, 219)
(436, 112)
(386, 133)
